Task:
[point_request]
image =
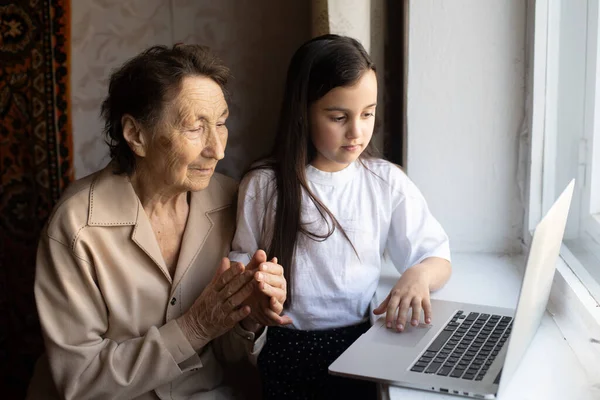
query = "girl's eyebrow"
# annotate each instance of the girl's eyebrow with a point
(334, 108)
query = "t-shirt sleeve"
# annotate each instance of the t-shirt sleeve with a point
(414, 233)
(253, 199)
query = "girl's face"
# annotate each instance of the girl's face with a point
(342, 123)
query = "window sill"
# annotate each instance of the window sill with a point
(577, 315)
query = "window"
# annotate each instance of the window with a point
(565, 135)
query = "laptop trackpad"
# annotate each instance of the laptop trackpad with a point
(411, 336)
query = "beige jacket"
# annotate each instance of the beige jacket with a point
(107, 303)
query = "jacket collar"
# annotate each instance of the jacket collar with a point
(113, 202)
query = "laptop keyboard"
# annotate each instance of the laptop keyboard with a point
(466, 347)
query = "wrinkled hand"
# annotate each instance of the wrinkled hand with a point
(269, 295)
(411, 291)
(218, 309)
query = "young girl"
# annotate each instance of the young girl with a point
(328, 211)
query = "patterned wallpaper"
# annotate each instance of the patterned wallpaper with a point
(256, 38)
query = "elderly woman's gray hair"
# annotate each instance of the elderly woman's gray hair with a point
(144, 85)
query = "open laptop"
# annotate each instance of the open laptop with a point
(475, 349)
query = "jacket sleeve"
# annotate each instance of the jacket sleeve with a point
(74, 318)
(238, 343)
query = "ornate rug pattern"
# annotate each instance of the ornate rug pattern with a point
(35, 166)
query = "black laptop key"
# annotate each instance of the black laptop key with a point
(439, 341)
(468, 376)
(444, 371)
(472, 316)
(432, 369)
(450, 328)
(417, 369)
(457, 373)
(479, 377)
(449, 363)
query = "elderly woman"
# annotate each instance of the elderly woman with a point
(135, 297)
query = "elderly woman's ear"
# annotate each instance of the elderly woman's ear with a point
(134, 136)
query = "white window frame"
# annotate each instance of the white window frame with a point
(590, 147)
(574, 308)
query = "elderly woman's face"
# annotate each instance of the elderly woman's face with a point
(186, 149)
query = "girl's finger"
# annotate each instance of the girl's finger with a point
(276, 318)
(427, 310)
(271, 291)
(275, 305)
(382, 307)
(392, 308)
(402, 313)
(273, 280)
(416, 311)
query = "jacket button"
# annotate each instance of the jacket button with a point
(173, 301)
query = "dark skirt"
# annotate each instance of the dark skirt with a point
(293, 364)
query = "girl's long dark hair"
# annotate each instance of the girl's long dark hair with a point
(318, 66)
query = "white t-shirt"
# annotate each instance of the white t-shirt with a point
(381, 211)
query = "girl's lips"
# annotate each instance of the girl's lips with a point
(351, 148)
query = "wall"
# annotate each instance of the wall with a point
(256, 39)
(466, 77)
